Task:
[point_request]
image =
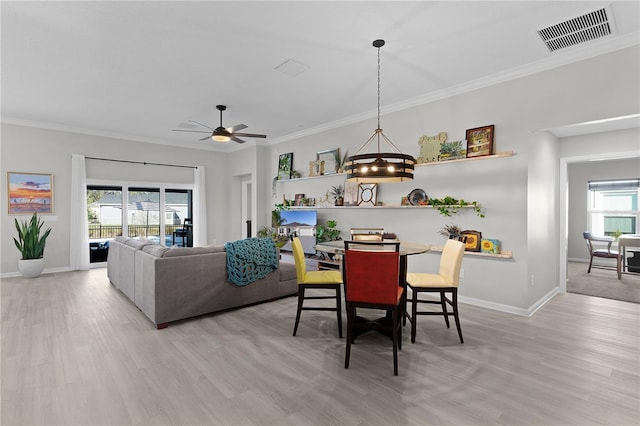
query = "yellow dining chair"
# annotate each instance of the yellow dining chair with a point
(445, 281)
(315, 280)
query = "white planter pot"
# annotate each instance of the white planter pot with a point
(31, 268)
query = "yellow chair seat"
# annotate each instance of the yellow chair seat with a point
(416, 279)
(322, 277)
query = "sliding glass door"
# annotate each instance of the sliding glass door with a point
(137, 211)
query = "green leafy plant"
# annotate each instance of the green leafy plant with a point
(29, 242)
(449, 206)
(327, 232)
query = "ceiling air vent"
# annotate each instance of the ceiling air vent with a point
(578, 30)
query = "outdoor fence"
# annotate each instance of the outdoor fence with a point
(99, 231)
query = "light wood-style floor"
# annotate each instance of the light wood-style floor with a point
(77, 352)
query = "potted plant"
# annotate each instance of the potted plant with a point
(327, 232)
(31, 244)
(340, 160)
(337, 194)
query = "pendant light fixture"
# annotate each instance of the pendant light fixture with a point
(379, 167)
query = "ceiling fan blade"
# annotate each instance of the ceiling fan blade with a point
(205, 138)
(190, 131)
(250, 135)
(236, 128)
(233, 138)
(203, 125)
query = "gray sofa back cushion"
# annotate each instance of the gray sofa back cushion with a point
(155, 250)
(137, 244)
(188, 251)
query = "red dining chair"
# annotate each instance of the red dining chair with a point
(371, 279)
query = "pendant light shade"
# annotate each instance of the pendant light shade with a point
(379, 167)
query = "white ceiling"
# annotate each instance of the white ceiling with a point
(137, 70)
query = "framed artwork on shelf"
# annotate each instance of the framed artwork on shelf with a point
(472, 241)
(350, 193)
(329, 158)
(29, 193)
(480, 141)
(298, 201)
(367, 193)
(285, 165)
(453, 150)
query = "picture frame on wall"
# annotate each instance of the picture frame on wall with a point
(298, 201)
(29, 192)
(285, 165)
(329, 158)
(480, 141)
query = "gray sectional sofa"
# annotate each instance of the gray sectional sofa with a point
(171, 284)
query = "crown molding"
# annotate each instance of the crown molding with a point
(555, 60)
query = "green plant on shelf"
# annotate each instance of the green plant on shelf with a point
(449, 206)
(327, 232)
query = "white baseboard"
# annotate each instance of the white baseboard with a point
(46, 271)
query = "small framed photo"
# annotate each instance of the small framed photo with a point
(350, 193)
(329, 158)
(367, 193)
(472, 241)
(480, 141)
(29, 193)
(285, 165)
(299, 200)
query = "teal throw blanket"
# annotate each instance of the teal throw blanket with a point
(250, 260)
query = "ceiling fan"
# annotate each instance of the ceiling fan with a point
(222, 134)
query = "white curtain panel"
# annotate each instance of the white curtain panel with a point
(79, 233)
(199, 208)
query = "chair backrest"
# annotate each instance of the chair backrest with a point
(188, 222)
(367, 234)
(451, 261)
(371, 272)
(589, 238)
(298, 257)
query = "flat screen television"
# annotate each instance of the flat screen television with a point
(300, 223)
(298, 218)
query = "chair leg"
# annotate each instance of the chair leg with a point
(394, 322)
(350, 315)
(339, 310)
(590, 262)
(455, 312)
(300, 300)
(414, 315)
(443, 302)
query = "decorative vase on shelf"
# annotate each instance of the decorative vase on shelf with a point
(339, 201)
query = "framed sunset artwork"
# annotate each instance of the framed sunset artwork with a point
(29, 192)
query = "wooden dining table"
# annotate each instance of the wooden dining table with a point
(624, 241)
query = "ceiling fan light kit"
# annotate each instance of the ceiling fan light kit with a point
(379, 167)
(221, 134)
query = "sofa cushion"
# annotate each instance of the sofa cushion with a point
(155, 250)
(137, 244)
(122, 239)
(188, 251)
(287, 271)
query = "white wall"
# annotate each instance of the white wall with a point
(520, 193)
(27, 149)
